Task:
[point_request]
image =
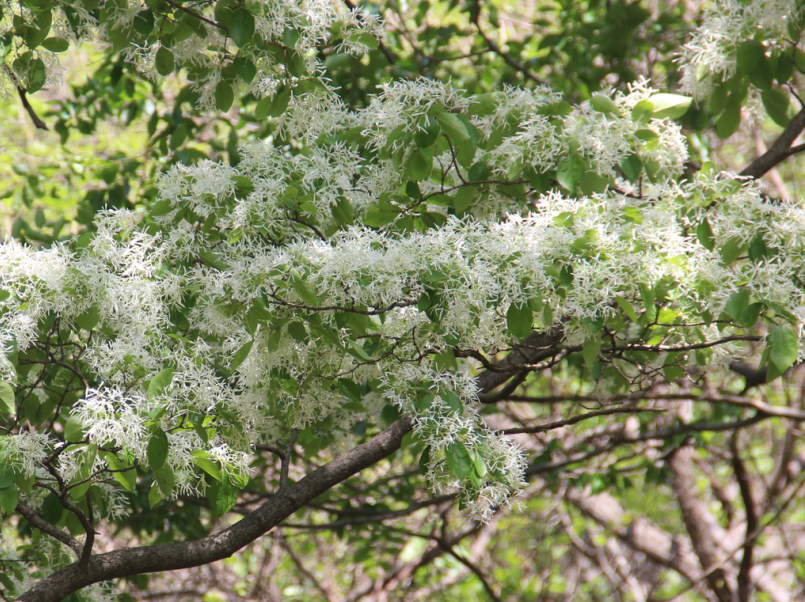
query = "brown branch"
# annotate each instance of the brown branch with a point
(471, 566)
(168, 557)
(24, 99)
(745, 402)
(304, 570)
(497, 50)
(536, 347)
(198, 16)
(700, 525)
(780, 150)
(576, 419)
(744, 577)
(37, 521)
(27, 106)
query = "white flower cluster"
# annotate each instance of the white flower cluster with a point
(709, 58)
(233, 312)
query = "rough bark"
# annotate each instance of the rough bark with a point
(698, 522)
(536, 347)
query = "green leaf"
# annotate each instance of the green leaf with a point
(37, 75)
(569, 172)
(26, 484)
(164, 61)
(425, 138)
(123, 473)
(261, 111)
(154, 496)
(424, 460)
(519, 320)
(367, 39)
(479, 465)
(784, 348)
(279, 102)
(487, 103)
(73, 430)
(158, 384)
(7, 404)
(458, 460)
(646, 135)
(627, 308)
(729, 120)
(56, 44)
(224, 96)
(750, 315)
(241, 355)
(672, 106)
(157, 450)
(731, 250)
(604, 104)
(161, 208)
(642, 111)
(295, 64)
(6, 476)
(223, 496)
(52, 509)
(8, 499)
(208, 466)
(590, 349)
(290, 37)
(453, 402)
(420, 164)
(305, 290)
(201, 432)
(737, 304)
(705, 234)
(452, 127)
(165, 479)
(241, 26)
(631, 166)
(380, 215)
(748, 56)
(776, 103)
(89, 319)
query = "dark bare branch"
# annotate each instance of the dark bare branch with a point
(780, 150)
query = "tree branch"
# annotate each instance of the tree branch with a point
(471, 566)
(169, 557)
(699, 523)
(780, 150)
(744, 578)
(44, 526)
(576, 419)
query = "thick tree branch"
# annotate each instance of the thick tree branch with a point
(169, 557)
(536, 347)
(780, 150)
(44, 526)
(700, 525)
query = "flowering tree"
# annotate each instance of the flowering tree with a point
(374, 276)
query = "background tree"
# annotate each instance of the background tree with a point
(220, 313)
